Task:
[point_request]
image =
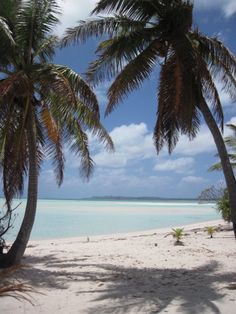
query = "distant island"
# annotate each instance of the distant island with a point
(136, 198)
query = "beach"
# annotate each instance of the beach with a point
(141, 272)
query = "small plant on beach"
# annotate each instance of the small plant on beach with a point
(178, 233)
(210, 230)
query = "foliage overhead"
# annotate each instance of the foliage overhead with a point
(64, 107)
(144, 34)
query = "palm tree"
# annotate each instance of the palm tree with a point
(43, 106)
(145, 34)
(230, 141)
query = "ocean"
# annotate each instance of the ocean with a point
(72, 218)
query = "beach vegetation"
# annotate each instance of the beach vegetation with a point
(11, 287)
(223, 206)
(44, 107)
(143, 35)
(178, 234)
(230, 142)
(218, 193)
(210, 230)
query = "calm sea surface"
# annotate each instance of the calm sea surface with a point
(71, 218)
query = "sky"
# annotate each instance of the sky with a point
(135, 169)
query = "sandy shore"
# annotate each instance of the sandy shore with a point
(131, 273)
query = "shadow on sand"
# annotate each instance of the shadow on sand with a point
(119, 290)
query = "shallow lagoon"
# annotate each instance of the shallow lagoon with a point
(72, 218)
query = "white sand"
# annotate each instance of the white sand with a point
(131, 273)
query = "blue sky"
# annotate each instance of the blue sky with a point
(135, 169)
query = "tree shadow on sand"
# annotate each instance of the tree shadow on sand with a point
(152, 290)
(119, 290)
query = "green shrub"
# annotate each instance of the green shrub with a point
(223, 206)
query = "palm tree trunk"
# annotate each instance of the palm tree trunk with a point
(17, 250)
(226, 166)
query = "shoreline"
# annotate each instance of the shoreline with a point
(150, 232)
(130, 273)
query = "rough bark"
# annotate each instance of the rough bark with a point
(226, 166)
(16, 252)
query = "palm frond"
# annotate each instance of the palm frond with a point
(16, 83)
(11, 287)
(216, 167)
(139, 9)
(54, 151)
(79, 145)
(230, 141)
(177, 112)
(232, 128)
(133, 74)
(15, 164)
(210, 92)
(35, 20)
(87, 118)
(116, 52)
(5, 31)
(49, 124)
(67, 84)
(80, 87)
(46, 50)
(53, 147)
(99, 27)
(221, 62)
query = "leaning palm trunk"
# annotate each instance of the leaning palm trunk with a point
(14, 255)
(226, 166)
(61, 107)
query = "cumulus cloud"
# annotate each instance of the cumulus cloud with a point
(203, 143)
(228, 6)
(132, 142)
(131, 169)
(74, 11)
(179, 165)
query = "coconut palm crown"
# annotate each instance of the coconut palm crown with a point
(144, 34)
(43, 108)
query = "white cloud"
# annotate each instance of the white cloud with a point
(74, 11)
(101, 92)
(118, 182)
(194, 180)
(132, 142)
(179, 165)
(231, 121)
(228, 6)
(203, 143)
(115, 160)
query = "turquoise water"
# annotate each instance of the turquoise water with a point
(71, 218)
